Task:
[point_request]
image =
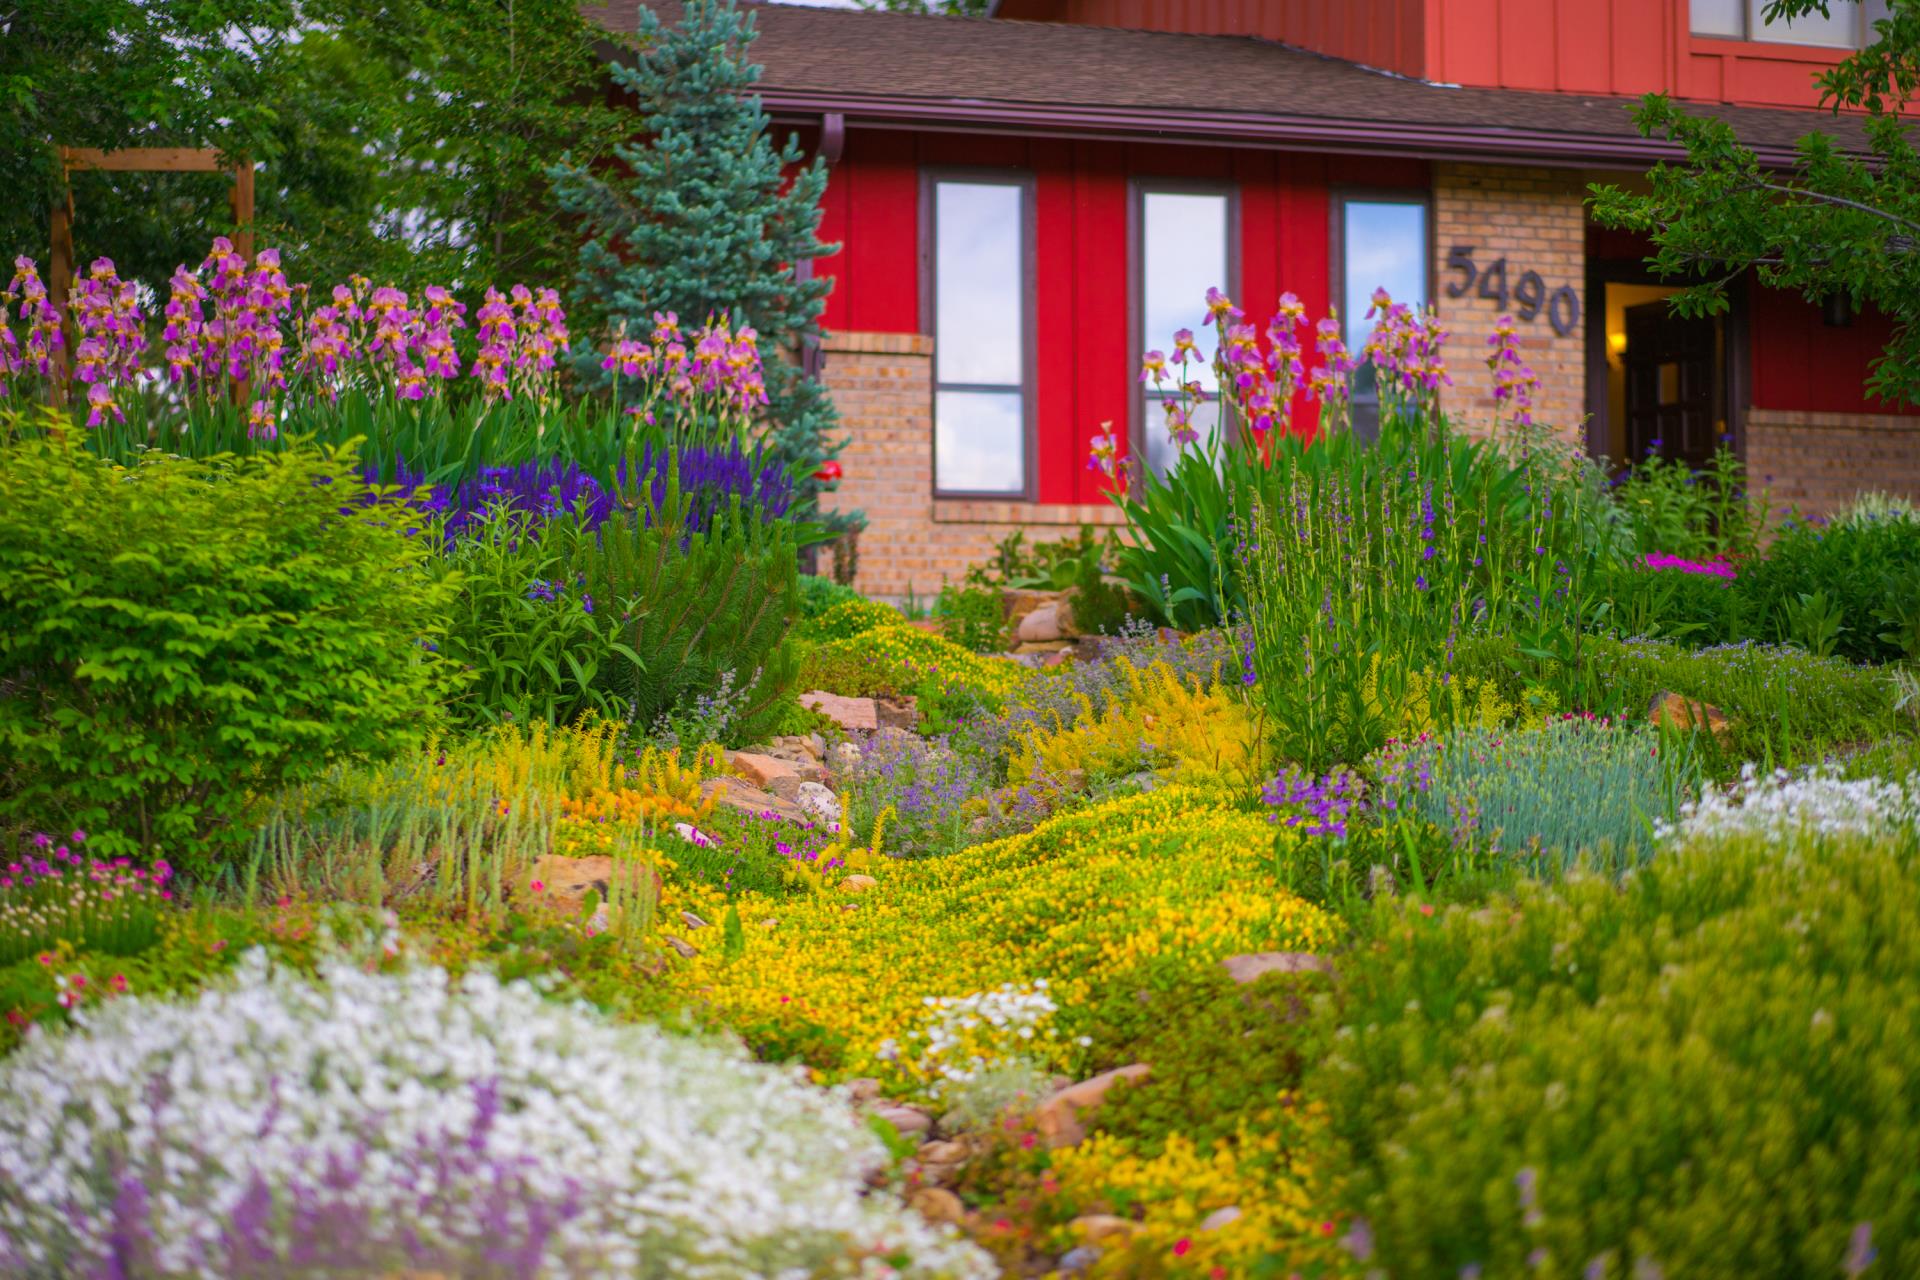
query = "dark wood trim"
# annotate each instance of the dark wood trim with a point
(1139, 187)
(930, 178)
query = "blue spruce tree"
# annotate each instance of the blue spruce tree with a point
(705, 219)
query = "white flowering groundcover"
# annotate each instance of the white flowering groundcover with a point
(364, 1123)
(1785, 808)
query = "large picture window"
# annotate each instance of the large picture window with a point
(1383, 244)
(1183, 247)
(1847, 24)
(981, 395)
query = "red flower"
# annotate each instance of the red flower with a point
(829, 470)
(1181, 1246)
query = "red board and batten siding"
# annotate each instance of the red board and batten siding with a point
(1801, 364)
(1624, 47)
(1085, 374)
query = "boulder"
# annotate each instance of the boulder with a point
(686, 949)
(1041, 625)
(863, 1090)
(565, 882)
(857, 883)
(692, 921)
(1077, 1259)
(1058, 1118)
(936, 1204)
(844, 757)
(910, 1121)
(1257, 964)
(848, 713)
(1220, 1218)
(819, 803)
(743, 797)
(760, 770)
(1675, 711)
(897, 713)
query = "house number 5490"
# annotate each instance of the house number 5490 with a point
(1529, 294)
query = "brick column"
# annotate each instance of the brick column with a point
(1818, 461)
(1536, 220)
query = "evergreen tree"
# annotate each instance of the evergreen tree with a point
(708, 217)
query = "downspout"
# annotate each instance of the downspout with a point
(833, 143)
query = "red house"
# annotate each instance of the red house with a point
(1028, 201)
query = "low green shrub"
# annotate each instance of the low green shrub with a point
(180, 635)
(850, 618)
(818, 594)
(1704, 1070)
(1851, 588)
(972, 617)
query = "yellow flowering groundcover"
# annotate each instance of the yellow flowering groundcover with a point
(1098, 903)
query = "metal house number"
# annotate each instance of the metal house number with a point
(1529, 294)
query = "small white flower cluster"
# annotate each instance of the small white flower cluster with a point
(1784, 808)
(963, 1036)
(365, 1123)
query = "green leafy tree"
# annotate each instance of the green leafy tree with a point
(123, 73)
(1838, 223)
(707, 216)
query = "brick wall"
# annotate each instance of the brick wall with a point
(882, 385)
(1817, 461)
(1534, 219)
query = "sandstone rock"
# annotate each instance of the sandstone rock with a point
(844, 757)
(948, 1152)
(857, 883)
(1043, 649)
(1245, 968)
(1058, 1118)
(1674, 711)
(692, 921)
(1042, 624)
(848, 713)
(1220, 1218)
(897, 713)
(743, 797)
(936, 1204)
(819, 802)
(760, 770)
(908, 1120)
(685, 948)
(565, 882)
(1096, 1227)
(862, 1090)
(1017, 603)
(816, 746)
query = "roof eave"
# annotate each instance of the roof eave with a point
(1277, 131)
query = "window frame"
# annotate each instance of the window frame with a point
(931, 176)
(1139, 187)
(1862, 31)
(1338, 198)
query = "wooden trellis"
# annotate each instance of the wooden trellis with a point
(60, 272)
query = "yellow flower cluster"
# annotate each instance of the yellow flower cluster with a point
(1259, 1195)
(1093, 901)
(1195, 735)
(851, 618)
(897, 659)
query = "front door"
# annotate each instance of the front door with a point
(1672, 384)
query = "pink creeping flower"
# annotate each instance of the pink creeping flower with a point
(1706, 568)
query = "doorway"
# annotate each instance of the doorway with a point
(1674, 396)
(1658, 383)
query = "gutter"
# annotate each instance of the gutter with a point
(1279, 132)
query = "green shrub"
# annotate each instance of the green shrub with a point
(972, 617)
(177, 636)
(1864, 575)
(703, 616)
(1660, 505)
(521, 627)
(818, 594)
(1708, 1067)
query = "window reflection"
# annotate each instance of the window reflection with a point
(979, 291)
(1183, 253)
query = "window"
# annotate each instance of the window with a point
(1183, 248)
(981, 344)
(1848, 24)
(1383, 245)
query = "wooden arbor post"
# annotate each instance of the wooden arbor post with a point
(60, 266)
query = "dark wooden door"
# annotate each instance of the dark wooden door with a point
(1672, 385)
